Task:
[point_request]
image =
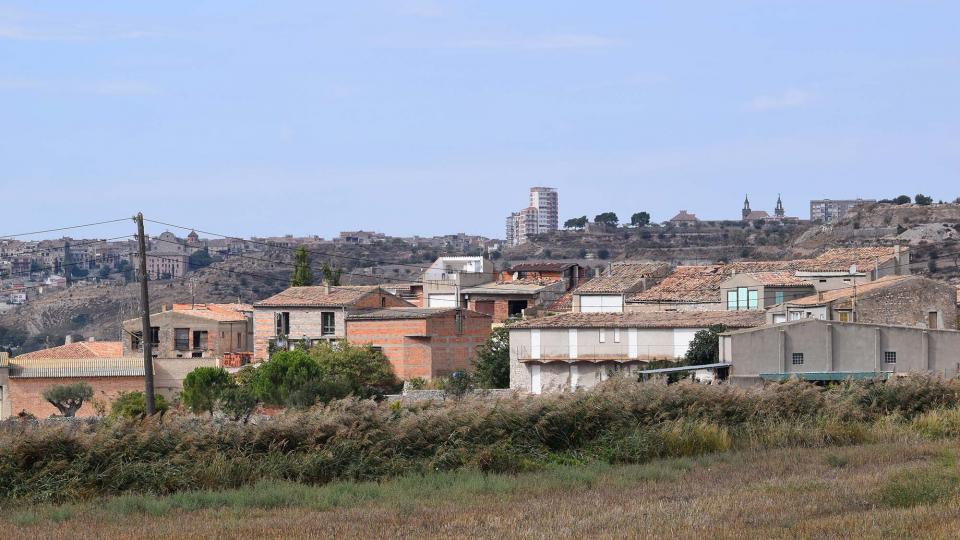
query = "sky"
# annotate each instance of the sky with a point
(426, 117)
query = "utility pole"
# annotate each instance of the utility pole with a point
(146, 339)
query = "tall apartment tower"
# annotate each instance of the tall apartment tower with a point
(541, 216)
(546, 201)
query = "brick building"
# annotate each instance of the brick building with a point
(421, 342)
(194, 331)
(311, 314)
(504, 300)
(100, 364)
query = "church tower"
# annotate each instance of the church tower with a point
(746, 207)
(779, 210)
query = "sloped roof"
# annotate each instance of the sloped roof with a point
(686, 284)
(758, 214)
(79, 350)
(519, 287)
(840, 259)
(683, 215)
(658, 319)
(73, 367)
(778, 279)
(407, 313)
(338, 296)
(216, 312)
(847, 293)
(624, 277)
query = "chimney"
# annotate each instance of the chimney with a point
(91, 339)
(820, 296)
(326, 287)
(68, 340)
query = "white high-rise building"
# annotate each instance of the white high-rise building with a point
(541, 216)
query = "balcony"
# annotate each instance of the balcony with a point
(619, 352)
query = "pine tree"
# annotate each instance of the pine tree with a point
(302, 274)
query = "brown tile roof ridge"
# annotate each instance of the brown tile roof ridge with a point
(690, 284)
(782, 279)
(848, 292)
(80, 349)
(316, 295)
(220, 312)
(540, 266)
(657, 319)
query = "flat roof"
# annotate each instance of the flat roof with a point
(683, 368)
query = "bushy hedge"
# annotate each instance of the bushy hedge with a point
(354, 439)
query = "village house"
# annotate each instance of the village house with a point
(308, 314)
(760, 290)
(572, 274)
(168, 257)
(577, 350)
(687, 288)
(607, 293)
(896, 300)
(24, 378)
(517, 298)
(421, 342)
(448, 275)
(819, 350)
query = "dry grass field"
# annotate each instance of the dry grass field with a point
(905, 489)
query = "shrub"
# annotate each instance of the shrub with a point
(492, 366)
(133, 405)
(288, 379)
(68, 398)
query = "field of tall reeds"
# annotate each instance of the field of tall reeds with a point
(619, 423)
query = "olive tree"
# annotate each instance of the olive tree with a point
(68, 398)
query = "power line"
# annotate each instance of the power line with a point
(65, 228)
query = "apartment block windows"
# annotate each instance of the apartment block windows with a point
(328, 323)
(778, 297)
(282, 323)
(603, 336)
(889, 357)
(797, 359)
(616, 335)
(743, 298)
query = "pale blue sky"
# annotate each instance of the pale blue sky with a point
(421, 117)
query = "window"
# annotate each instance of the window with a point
(603, 335)
(616, 335)
(181, 339)
(889, 357)
(135, 340)
(843, 316)
(282, 323)
(932, 320)
(732, 300)
(155, 336)
(797, 358)
(753, 301)
(239, 340)
(742, 298)
(796, 315)
(200, 340)
(328, 323)
(778, 297)
(515, 307)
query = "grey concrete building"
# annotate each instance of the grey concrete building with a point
(897, 300)
(447, 275)
(830, 211)
(818, 350)
(577, 350)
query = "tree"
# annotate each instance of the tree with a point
(902, 199)
(923, 200)
(640, 219)
(238, 402)
(203, 387)
(68, 398)
(705, 347)
(575, 223)
(606, 218)
(133, 405)
(302, 274)
(288, 379)
(330, 276)
(492, 365)
(603, 253)
(362, 370)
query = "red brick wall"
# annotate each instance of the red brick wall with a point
(501, 306)
(27, 394)
(439, 354)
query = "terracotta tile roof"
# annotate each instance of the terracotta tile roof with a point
(659, 319)
(540, 267)
(317, 296)
(745, 267)
(683, 215)
(81, 349)
(624, 277)
(408, 313)
(846, 293)
(687, 284)
(757, 214)
(217, 312)
(840, 259)
(565, 302)
(778, 279)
